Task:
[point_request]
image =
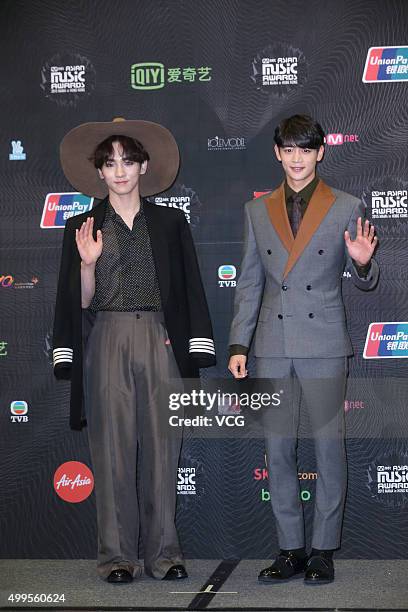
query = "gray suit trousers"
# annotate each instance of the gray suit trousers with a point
(320, 385)
(129, 371)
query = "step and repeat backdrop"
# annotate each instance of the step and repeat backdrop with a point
(220, 74)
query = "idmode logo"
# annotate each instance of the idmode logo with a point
(59, 207)
(386, 341)
(385, 64)
(227, 274)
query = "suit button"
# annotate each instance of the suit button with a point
(311, 315)
(284, 287)
(308, 287)
(280, 316)
(269, 251)
(321, 252)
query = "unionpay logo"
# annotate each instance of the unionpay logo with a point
(59, 207)
(386, 340)
(385, 64)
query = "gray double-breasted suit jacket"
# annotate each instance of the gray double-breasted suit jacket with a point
(289, 290)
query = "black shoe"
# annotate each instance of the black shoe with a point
(287, 565)
(176, 572)
(119, 576)
(319, 569)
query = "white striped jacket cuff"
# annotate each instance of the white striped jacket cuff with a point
(62, 355)
(201, 345)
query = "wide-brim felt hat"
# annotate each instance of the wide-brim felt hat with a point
(77, 148)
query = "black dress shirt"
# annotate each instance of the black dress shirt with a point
(125, 273)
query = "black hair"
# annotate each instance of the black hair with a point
(300, 131)
(132, 150)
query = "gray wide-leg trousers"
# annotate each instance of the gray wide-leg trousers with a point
(320, 383)
(129, 372)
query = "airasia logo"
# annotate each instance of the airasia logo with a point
(73, 481)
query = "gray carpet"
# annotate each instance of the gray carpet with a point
(359, 584)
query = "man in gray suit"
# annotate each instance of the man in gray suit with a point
(298, 240)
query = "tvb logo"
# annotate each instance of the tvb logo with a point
(19, 410)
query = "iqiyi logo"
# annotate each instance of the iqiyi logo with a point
(153, 75)
(147, 75)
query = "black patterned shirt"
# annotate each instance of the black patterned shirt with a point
(125, 273)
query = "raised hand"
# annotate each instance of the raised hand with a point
(89, 249)
(362, 248)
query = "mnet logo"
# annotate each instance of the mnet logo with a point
(186, 481)
(147, 75)
(226, 275)
(19, 411)
(339, 139)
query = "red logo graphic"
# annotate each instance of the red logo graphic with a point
(73, 481)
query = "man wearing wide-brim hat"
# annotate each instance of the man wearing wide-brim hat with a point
(131, 319)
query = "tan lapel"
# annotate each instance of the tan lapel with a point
(322, 200)
(276, 207)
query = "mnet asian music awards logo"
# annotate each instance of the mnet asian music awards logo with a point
(278, 68)
(186, 481)
(67, 78)
(19, 410)
(333, 140)
(148, 76)
(17, 151)
(73, 481)
(185, 199)
(58, 207)
(387, 480)
(389, 204)
(386, 64)
(386, 341)
(226, 275)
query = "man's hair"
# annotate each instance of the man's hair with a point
(132, 149)
(301, 131)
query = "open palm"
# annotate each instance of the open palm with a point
(89, 249)
(362, 248)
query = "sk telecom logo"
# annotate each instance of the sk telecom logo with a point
(386, 341)
(385, 64)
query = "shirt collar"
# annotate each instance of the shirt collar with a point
(305, 193)
(112, 214)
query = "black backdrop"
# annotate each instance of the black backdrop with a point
(209, 92)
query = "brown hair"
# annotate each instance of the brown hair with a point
(132, 150)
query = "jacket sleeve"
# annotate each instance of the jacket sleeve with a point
(201, 340)
(249, 289)
(370, 279)
(62, 334)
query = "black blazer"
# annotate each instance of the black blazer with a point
(182, 295)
